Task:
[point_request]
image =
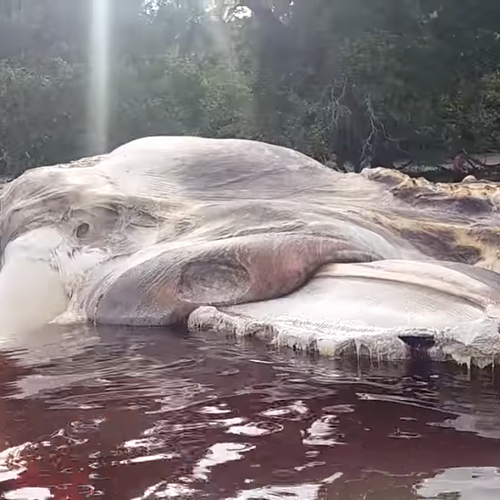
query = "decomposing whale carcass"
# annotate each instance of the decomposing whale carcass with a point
(254, 239)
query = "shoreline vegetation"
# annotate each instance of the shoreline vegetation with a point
(399, 84)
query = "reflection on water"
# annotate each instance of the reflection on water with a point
(143, 414)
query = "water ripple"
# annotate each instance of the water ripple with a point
(144, 414)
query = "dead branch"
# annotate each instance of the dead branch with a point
(337, 109)
(476, 164)
(368, 144)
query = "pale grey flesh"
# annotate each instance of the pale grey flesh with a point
(163, 226)
(386, 310)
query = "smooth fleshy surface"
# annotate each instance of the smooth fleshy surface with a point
(169, 230)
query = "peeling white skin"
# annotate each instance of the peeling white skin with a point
(40, 274)
(475, 342)
(364, 309)
(31, 289)
(171, 225)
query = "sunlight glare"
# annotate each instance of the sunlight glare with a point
(98, 122)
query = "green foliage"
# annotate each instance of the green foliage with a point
(41, 113)
(177, 96)
(359, 81)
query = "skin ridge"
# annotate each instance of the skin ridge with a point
(160, 197)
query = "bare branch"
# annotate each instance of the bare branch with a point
(374, 124)
(475, 163)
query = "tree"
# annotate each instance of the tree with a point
(364, 82)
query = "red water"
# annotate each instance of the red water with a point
(144, 414)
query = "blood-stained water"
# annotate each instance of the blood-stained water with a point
(119, 413)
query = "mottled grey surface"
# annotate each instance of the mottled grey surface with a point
(165, 225)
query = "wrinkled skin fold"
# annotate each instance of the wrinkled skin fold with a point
(250, 238)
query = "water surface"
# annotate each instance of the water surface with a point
(119, 413)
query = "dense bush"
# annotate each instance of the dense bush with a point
(364, 81)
